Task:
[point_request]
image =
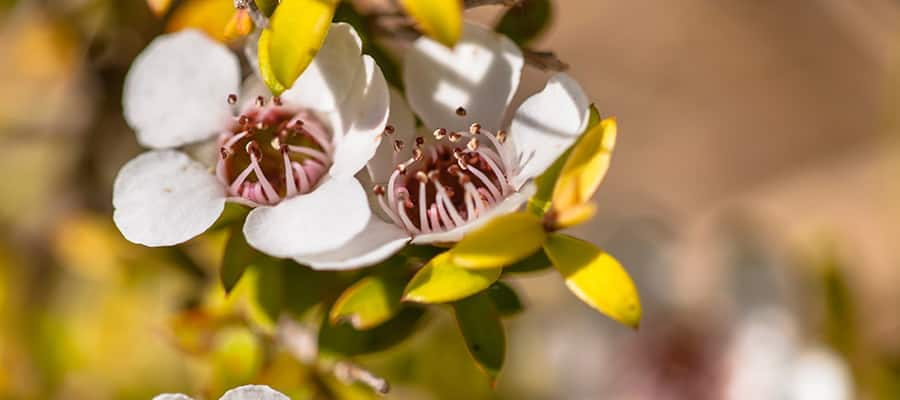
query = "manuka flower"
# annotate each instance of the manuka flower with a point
(467, 167)
(246, 392)
(292, 158)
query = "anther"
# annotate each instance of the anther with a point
(261, 125)
(252, 148)
(422, 177)
(243, 120)
(464, 179)
(434, 174)
(440, 133)
(418, 155)
(420, 141)
(398, 145)
(378, 190)
(454, 137)
(297, 124)
(260, 101)
(501, 136)
(389, 130)
(225, 152)
(401, 168)
(475, 128)
(453, 170)
(232, 98)
(473, 144)
(277, 101)
(461, 162)
(461, 112)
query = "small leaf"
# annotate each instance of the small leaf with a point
(574, 216)
(343, 341)
(505, 299)
(525, 21)
(369, 302)
(540, 202)
(585, 168)
(239, 25)
(440, 20)
(159, 7)
(295, 34)
(238, 256)
(501, 242)
(537, 261)
(209, 16)
(482, 330)
(441, 281)
(596, 278)
(269, 288)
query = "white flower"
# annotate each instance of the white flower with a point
(467, 168)
(247, 392)
(292, 158)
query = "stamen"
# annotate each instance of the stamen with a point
(232, 99)
(475, 128)
(461, 112)
(290, 184)
(398, 145)
(454, 137)
(473, 144)
(277, 101)
(260, 101)
(389, 130)
(440, 133)
(501, 136)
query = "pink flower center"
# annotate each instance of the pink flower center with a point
(448, 183)
(270, 154)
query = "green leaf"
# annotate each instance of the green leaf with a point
(505, 299)
(583, 172)
(596, 278)
(369, 302)
(305, 288)
(342, 340)
(232, 214)
(440, 20)
(546, 182)
(441, 281)
(501, 242)
(269, 287)
(479, 322)
(295, 34)
(238, 256)
(267, 6)
(537, 261)
(525, 21)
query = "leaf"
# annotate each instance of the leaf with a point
(595, 277)
(238, 256)
(269, 288)
(440, 20)
(305, 288)
(501, 242)
(369, 302)
(537, 261)
(295, 34)
(159, 7)
(441, 281)
(525, 21)
(233, 213)
(585, 168)
(540, 202)
(479, 322)
(209, 16)
(343, 341)
(505, 299)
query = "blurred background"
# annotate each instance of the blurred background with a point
(753, 196)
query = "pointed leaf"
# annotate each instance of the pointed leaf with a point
(482, 330)
(585, 168)
(525, 21)
(238, 256)
(537, 261)
(440, 20)
(505, 299)
(269, 288)
(540, 202)
(369, 302)
(596, 278)
(501, 242)
(342, 340)
(295, 34)
(441, 281)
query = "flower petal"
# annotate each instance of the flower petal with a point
(359, 123)
(253, 392)
(172, 396)
(546, 124)
(162, 198)
(176, 90)
(480, 74)
(252, 88)
(327, 81)
(320, 221)
(508, 205)
(401, 119)
(378, 241)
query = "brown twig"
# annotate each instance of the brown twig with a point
(479, 3)
(545, 60)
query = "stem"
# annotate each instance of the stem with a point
(479, 3)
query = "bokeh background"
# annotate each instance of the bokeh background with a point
(753, 196)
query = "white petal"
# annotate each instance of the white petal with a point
(546, 124)
(480, 74)
(172, 396)
(508, 205)
(253, 392)
(360, 121)
(383, 163)
(252, 88)
(378, 241)
(319, 221)
(327, 80)
(176, 90)
(162, 198)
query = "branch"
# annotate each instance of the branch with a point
(479, 3)
(351, 373)
(544, 60)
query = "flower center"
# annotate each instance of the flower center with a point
(448, 183)
(270, 154)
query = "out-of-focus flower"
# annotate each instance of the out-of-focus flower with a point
(467, 168)
(248, 392)
(292, 158)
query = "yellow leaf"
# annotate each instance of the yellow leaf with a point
(209, 16)
(295, 34)
(595, 277)
(369, 302)
(440, 20)
(159, 7)
(586, 167)
(441, 281)
(239, 25)
(574, 216)
(500, 242)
